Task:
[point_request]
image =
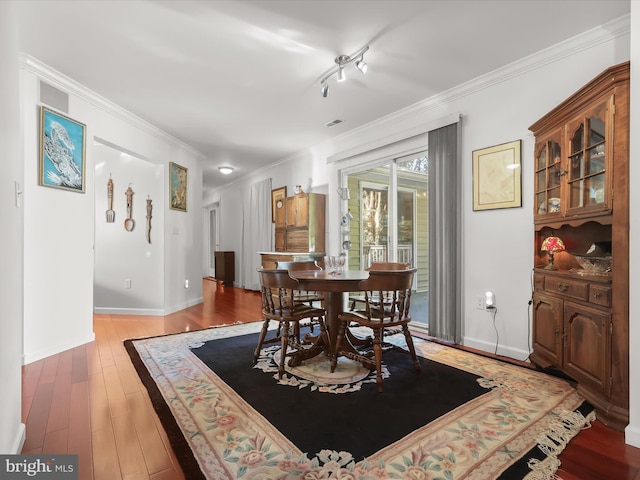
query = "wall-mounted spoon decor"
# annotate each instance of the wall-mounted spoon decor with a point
(149, 212)
(111, 215)
(128, 222)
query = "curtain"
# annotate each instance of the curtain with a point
(257, 232)
(445, 226)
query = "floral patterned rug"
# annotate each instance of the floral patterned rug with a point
(516, 430)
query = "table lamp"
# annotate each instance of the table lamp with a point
(552, 245)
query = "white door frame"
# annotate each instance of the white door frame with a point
(212, 224)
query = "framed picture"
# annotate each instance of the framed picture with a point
(497, 176)
(277, 195)
(62, 151)
(177, 187)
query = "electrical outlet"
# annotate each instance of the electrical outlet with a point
(490, 301)
(186, 284)
(127, 283)
(480, 302)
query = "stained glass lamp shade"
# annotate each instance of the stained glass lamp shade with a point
(552, 245)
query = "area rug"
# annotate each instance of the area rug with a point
(495, 420)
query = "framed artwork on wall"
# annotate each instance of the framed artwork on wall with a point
(177, 187)
(278, 197)
(497, 176)
(62, 151)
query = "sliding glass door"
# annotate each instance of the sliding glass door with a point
(389, 208)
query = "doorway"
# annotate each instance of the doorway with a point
(213, 241)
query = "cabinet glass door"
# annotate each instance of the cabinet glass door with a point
(587, 159)
(548, 176)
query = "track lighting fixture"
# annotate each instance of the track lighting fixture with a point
(343, 61)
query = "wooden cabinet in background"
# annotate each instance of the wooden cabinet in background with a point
(225, 267)
(581, 194)
(304, 226)
(280, 212)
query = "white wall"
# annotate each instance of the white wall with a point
(59, 225)
(126, 255)
(12, 431)
(633, 429)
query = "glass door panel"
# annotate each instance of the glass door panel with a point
(587, 163)
(548, 178)
(390, 222)
(375, 223)
(406, 224)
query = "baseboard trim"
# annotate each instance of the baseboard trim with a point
(632, 436)
(21, 436)
(31, 357)
(501, 351)
(154, 312)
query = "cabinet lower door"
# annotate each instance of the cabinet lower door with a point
(588, 345)
(547, 330)
(281, 240)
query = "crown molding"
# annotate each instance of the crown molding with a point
(408, 119)
(66, 84)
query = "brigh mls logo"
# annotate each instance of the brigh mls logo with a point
(30, 468)
(60, 467)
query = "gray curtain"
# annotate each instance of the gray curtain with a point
(445, 224)
(256, 232)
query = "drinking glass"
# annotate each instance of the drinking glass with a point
(332, 263)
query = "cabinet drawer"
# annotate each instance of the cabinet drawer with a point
(298, 240)
(600, 295)
(569, 288)
(538, 282)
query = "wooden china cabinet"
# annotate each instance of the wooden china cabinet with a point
(581, 316)
(301, 228)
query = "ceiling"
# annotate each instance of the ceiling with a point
(239, 81)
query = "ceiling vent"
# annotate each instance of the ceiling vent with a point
(333, 122)
(53, 97)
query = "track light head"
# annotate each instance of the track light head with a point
(361, 65)
(343, 61)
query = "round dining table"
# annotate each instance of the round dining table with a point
(334, 288)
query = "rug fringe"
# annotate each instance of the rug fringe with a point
(567, 426)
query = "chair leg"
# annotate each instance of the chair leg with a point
(324, 333)
(412, 348)
(377, 350)
(263, 334)
(334, 348)
(283, 349)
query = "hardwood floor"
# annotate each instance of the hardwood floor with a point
(89, 401)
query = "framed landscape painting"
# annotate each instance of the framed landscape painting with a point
(177, 187)
(62, 151)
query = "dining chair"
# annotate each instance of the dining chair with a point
(382, 319)
(356, 298)
(307, 297)
(278, 304)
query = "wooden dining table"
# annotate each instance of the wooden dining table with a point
(334, 288)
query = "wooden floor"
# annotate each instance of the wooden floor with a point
(89, 401)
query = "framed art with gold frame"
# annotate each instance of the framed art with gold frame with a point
(62, 151)
(497, 176)
(177, 187)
